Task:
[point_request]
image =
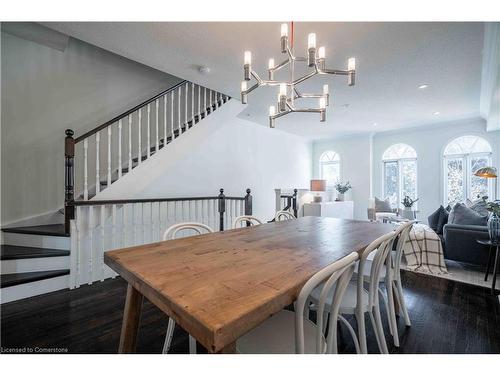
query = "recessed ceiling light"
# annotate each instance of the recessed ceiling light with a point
(204, 70)
(436, 113)
(375, 124)
(423, 86)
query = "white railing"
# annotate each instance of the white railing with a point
(100, 226)
(105, 154)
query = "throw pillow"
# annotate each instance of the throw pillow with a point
(433, 219)
(463, 215)
(443, 220)
(479, 205)
(382, 206)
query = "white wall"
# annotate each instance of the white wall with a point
(222, 151)
(44, 92)
(429, 143)
(354, 167)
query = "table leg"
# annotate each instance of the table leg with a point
(131, 319)
(495, 271)
(228, 349)
(489, 264)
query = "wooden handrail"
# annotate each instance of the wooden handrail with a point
(97, 202)
(125, 114)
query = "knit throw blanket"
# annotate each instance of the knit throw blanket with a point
(423, 251)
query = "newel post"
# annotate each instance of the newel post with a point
(294, 202)
(222, 209)
(248, 205)
(69, 178)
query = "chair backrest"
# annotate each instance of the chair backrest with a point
(172, 231)
(404, 233)
(283, 215)
(245, 219)
(336, 275)
(383, 247)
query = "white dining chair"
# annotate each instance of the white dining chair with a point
(402, 234)
(283, 215)
(245, 219)
(171, 234)
(358, 301)
(292, 332)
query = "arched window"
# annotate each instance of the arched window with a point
(329, 167)
(462, 157)
(400, 173)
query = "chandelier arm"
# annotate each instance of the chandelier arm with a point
(308, 110)
(280, 114)
(256, 76)
(333, 71)
(303, 78)
(280, 65)
(249, 90)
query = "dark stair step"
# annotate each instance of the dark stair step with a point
(44, 230)
(9, 252)
(11, 279)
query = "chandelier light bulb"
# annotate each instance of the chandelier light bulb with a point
(243, 86)
(351, 64)
(272, 110)
(311, 41)
(322, 103)
(282, 89)
(321, 52)
(284, 29)
(271, 64)
(325, 89)
(248, 58)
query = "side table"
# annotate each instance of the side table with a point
(496, 246)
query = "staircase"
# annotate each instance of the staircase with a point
(36, 259)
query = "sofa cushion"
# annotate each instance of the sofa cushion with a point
(443, 219)
(463, 215)
(433, 219)
(479, 205)
(382, 206)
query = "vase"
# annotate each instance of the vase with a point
(494, 228)
(408, 213)
(340, 197)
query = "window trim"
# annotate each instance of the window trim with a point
(400, 177)
(330, 162)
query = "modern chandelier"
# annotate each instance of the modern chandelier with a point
(288, 92)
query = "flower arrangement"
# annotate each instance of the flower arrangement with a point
(408, 202)
(342, 187)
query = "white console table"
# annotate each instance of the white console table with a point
(340, 210)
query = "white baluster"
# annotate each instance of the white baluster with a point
(139, 151)
(205, 101)
(134, 224)
(129, 143)
(102, 248)
(114, 244)
(109, 156)
(164, 120)
(179, 111)
(143, 223)
(79, 254)
(199, 103)
(97, 162)
(73, 253)
(157, 102)
(124, 226)
(172, 115)
(149, 131)
(186, 106)
(91, 244)
(210, 99)
(85, 170)
(152, 222)
(192, 104)
(120, 149)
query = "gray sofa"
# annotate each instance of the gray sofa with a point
(459, 243)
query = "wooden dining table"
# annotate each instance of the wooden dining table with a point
(218, 286)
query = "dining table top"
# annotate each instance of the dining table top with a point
(218, 286)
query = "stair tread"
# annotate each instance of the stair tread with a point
(11, 279)
(44, 230)
(9, 252)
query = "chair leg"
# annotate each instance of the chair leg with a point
(168, 336)
(380, 328)
(352, 332)
(360, 319)
(192, 345)
(402, 303)
(391, 314)
(386, 303)
(375, 330)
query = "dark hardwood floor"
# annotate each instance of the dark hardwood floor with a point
(447, 317)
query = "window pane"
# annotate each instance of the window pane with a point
(409, 179)
(479, 185)
(330, 172)
(391, 182)
(455, 178)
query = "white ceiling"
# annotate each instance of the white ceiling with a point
(392, 60)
